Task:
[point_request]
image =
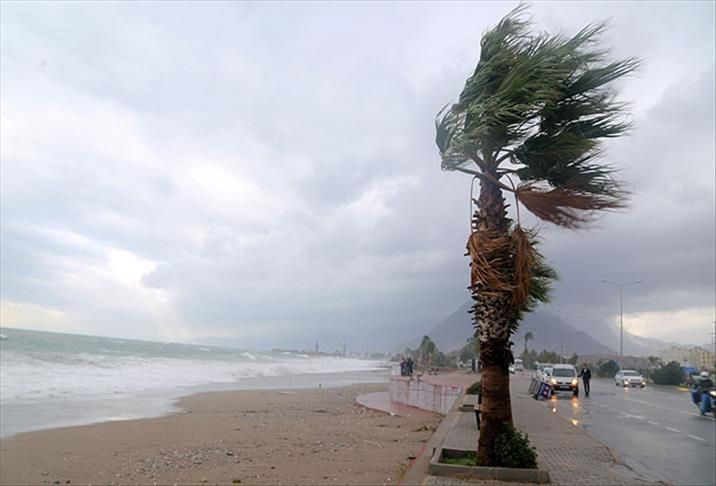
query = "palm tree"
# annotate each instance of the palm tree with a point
(528, 336)
(530, 122)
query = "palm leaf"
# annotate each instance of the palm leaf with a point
(568, 205)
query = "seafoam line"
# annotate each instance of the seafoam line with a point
(653, 423)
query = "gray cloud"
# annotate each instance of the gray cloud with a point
(267, 173)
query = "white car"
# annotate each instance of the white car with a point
(629, 378)
(564, 378)
(540, 373)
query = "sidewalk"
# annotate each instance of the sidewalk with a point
(570, 454)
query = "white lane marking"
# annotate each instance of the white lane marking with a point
(692, 414)
(672, 429)
(653, 423)
(703, 416)
(697, 438)
(646, 403)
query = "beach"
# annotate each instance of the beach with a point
(291, 436)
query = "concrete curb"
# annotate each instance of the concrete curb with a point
(438, 468)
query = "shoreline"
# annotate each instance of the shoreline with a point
(23, 417)
(276, 436)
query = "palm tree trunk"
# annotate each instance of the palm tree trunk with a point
(493, 315)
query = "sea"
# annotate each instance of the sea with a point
(50, 380)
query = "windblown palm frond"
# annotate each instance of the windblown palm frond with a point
(539, 106)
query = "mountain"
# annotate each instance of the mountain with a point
(552, 333)
(549, 332)
(634, 345)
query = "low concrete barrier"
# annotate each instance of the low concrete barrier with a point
(439, 468)
(423, 394)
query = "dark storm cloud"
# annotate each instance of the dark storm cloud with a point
(267, 173)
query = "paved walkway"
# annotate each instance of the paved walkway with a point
(570, 454)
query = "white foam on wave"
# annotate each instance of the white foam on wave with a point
(27, 378)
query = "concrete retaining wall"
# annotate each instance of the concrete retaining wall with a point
(424, 395)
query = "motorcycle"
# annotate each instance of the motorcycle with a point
(705, 400)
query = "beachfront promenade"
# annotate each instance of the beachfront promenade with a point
(567, 452)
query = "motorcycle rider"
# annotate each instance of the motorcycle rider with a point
(704, 382)
(702, 385)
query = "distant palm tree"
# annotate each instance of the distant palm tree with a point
(528, 336)
(529, 121)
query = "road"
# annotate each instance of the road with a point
(656, 431)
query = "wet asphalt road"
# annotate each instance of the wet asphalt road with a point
(656, 431)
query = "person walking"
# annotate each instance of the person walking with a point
(586, 375)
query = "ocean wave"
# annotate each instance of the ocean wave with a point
(31, 377)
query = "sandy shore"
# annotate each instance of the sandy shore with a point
(237, 437)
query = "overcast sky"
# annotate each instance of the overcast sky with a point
(266, 174)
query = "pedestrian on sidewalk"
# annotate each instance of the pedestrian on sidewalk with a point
(586, 375)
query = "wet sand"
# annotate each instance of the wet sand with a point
(317, 436)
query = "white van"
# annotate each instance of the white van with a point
(519, 366)
(564, 378)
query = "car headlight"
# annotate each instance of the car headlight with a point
(574, 382)
(713, 393)
(553, 381)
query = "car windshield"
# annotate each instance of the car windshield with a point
(564, 372)
(630, 373)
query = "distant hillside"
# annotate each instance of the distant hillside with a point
(634, 345)
(549, 332)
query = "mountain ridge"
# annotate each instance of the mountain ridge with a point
(550, 332)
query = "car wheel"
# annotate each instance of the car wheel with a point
(576, 392)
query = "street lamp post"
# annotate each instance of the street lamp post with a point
(621, 315)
